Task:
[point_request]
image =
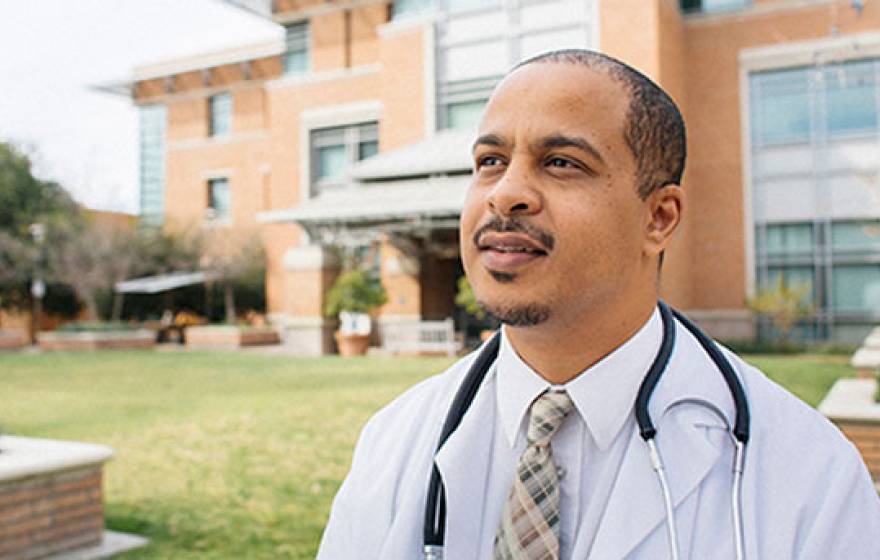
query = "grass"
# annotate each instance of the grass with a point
(236, 455)
(218, 455)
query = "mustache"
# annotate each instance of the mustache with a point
(515, 224)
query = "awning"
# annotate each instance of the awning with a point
(408, 200)
(447, 152)
(162, 282)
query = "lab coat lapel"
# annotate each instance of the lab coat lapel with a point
(636, 508)
(463, 462)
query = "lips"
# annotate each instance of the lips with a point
(508, 252)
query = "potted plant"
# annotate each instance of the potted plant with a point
(467, 301)
(353, 295)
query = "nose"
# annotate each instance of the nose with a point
(514, 193)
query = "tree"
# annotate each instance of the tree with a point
(228, 256)
(25, 201)
(783, 305)
(93, 257)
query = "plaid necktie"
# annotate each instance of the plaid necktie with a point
(529, 527)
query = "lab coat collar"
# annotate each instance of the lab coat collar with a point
(603, 394)
(464, 476)
(635, 508)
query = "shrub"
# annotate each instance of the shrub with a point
(355, 291)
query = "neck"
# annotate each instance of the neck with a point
(563, 347)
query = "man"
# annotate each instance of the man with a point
(575, 196)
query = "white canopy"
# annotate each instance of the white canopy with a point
(162, 282)
(388, 201)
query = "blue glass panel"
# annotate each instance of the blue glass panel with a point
(220, 197)
(856, 288)
(465, 115)
(368, 149)
(296, 62)
(403, 7)
(467, 5)
(788, 239)
(332, 162)
(781, 106)
(851, 97)
(855, 235)
(152, 163)
(221, 114)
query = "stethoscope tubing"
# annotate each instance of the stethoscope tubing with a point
(435, 509)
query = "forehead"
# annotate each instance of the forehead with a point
(555, 97)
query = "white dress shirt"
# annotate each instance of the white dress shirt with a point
(590, 445)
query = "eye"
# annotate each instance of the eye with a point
(489, 161)
(560, 162)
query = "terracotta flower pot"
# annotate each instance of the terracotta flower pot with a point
(352, 344)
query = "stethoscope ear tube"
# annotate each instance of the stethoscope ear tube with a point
(435, 508)
(646, 426)
(741, 425)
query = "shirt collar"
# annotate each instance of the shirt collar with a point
(603, 394)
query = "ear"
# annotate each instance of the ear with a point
(663, 214)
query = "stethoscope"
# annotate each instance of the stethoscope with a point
(435, 510)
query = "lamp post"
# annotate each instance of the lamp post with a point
(38, 285)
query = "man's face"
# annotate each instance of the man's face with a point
(552, 225)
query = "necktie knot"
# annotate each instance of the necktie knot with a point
(547, 413)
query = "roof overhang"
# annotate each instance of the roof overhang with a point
(162, 282)
(447, 152)
(361, 211)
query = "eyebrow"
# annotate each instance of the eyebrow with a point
(489, 140)
(560, 141)
(556, 141)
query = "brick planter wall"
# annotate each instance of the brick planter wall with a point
(850, 405)
(57, 340)
(50, 497)
(230, 336)
(52, 513)
(866, 436)
(12, 340)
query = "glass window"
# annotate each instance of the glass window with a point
(368, 149)
(219, 199)
(468, 5)
(332, 162)
(793, 277)
(856, 235)
(220, 109)
(403, 7)
(850, 97)
(712, 5)
(856, 288)
(781, 106)
(335, 149)
(788, 238)
(152, 163)
(465, 115)
(296, 51)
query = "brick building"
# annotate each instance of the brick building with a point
(353, 130)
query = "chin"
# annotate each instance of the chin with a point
(517, 314)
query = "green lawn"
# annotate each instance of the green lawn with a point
(234, 455)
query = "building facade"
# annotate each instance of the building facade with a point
(354, 129)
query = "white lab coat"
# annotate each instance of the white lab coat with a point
(806, 493)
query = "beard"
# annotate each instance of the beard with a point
(527, 315)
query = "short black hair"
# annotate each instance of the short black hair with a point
(654, 131)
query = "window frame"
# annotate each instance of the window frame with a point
(220, 125)
(297, 40)
(211, 213)
(351, 136)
